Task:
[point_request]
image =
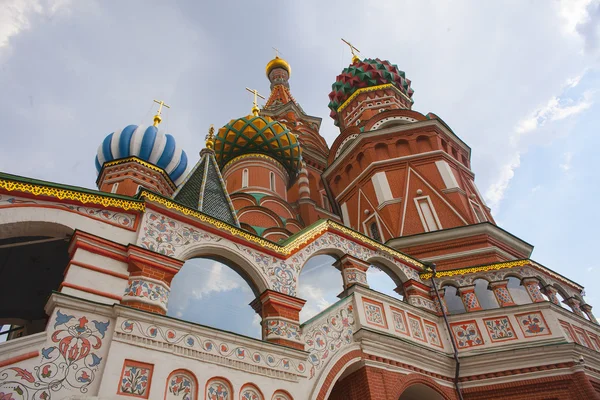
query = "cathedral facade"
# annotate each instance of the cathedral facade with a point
(87, 273)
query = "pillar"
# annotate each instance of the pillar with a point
(441, 303)
(418, 295)
(587, 309)
(552, 294)
(467, 294)
(149, 283)
(502, 293)
(280, 318)
(533, 289)
(354, 271)
(575, 305)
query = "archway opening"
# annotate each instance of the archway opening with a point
(381, 280)
(319, 284)
(484, 294)
(453, 300)
(216, 294)
(419, 391)
(517, 291)
(33, 261)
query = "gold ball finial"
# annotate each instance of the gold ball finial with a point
(157, 117)
(210, 138)
(157, 120)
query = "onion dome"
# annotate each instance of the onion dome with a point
(364, 74)
(278, 63)
(148, 144)
(254, 134)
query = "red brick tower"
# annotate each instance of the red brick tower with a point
(400, 176)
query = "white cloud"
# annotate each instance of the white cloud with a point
(15, 15)
(220, 279)
(536, 188)
(556, 109)
(573, 13)
(566, 164)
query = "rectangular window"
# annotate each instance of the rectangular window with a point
(114, 188)
(325, 202)
(245, 178)
(427, 214)
(479, 215)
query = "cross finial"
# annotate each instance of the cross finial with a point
(255, 108)
(276, 52)
(352, 49)
(157, 117)
(210, 138)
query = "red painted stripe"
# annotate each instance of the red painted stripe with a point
(98, 269)
(92, 291)
(20, 358)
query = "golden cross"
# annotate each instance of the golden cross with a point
(276, 52)
(210, 138)
(255, 108)
(352, 49)
(157, 118)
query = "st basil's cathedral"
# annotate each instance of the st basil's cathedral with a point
(475, 317)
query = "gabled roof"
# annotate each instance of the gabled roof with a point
(204, 190)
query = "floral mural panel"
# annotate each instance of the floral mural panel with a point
(218, 389)
(181, 385)
(135, 379)
(433, 334)
(533, 324)
(416, 328)
(69, 362)
(374, 313)
(466, 334)
(499, 329)
(250, 392)
(399, 320)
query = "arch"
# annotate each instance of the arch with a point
(37, 254)
(249, 391)
(485, 296)
(281, 394)
(181, 384)
(319, 283)
(218, 388)
(348, 171)
(359, 160)
(517, 291)
(414, 379)
(382, 280)
(259, 216)
(424, 144)
(231, 258)
(453, 300)
(391, 268)
(381, 151)
(344, 360)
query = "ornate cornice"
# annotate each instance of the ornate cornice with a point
(141, 162)
(294, 244)
(81, 196)
(371, 89)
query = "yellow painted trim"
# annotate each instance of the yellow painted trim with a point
(299, 242)
(62, 194)
(494, 267)
(370, 89)
(145, 164)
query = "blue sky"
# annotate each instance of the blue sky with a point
(518, 81)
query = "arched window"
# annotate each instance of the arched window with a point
(272, 180)
(218, 389)
(319, 284)
(517, 291)
(381, 281)
(205, 291)
(374, 231)
(250, 392)
(181, 385)
(486, 297)
(245, 178)
(453, 301)
(561, 300)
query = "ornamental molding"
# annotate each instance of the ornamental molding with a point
(99, 198)
(372, 89)
(137, 161)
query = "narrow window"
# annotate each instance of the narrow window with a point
(478, 212)
(430, 222)
(375, 231)
(245, 178)
(272, 180)
(325, 202)
(114, 188)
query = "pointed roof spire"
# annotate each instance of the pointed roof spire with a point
(204, 188)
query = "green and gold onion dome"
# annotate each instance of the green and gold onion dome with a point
(254, 134)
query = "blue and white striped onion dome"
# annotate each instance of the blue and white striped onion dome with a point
(148, 144)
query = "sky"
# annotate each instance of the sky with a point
(516, 80)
